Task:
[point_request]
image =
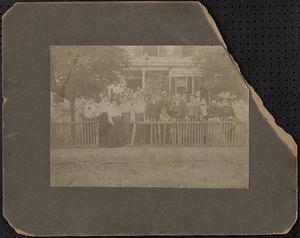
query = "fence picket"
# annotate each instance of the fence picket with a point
(159, 133)
(151, 133)
(165, 131)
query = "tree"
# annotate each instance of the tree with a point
(85, 71)
(219, 74)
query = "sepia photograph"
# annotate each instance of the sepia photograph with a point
(147, 116)
(140, 118)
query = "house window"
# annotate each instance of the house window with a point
(181, 84)
(188, 51)
(162, 51)
(177, 51)
(133, 79)
(151, 50)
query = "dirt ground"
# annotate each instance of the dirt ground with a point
(146, 166)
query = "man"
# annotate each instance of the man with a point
(165, 101)
(174, 105)
(152, 108)
(182, 108)
(103, 120)
(192, 108)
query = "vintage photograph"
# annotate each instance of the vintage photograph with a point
(147, 116)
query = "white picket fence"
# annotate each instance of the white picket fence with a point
(176, 132)
(186, 132)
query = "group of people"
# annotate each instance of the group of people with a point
(141, 106)
(121, 107)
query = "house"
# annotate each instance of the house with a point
(169, 68)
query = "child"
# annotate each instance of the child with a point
(164, 116)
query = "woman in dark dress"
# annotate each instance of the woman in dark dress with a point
(103, 123)
(115, 133)
(124, 106)
(141, 130)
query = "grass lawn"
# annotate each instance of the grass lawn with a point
(149, 166)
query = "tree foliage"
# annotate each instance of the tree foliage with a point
(85, 71)
(219, 73)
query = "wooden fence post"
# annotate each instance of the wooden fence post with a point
(133, 133)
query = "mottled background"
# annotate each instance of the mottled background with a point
(263, 38)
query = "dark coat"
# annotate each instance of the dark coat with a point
(222, 112)
(182, 110)
(152, 110)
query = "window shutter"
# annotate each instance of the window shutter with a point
(177, 51)
(138, 51)
(162, 51)
(173, 85)
(189, 85)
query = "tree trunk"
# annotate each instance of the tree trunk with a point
(209, 97)
(72, 117)
(72, 109)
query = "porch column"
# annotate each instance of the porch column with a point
(170, 81)
(209, 95)
(143, 78)
(193, 85)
